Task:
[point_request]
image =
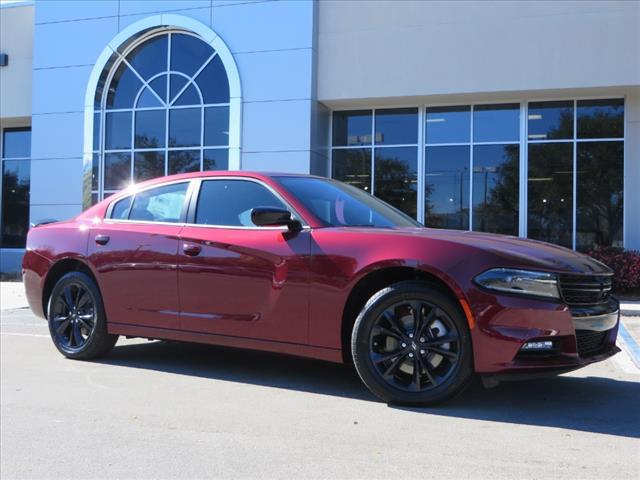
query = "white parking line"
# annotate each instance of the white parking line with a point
(25, 334)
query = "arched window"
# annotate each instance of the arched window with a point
(161, 107)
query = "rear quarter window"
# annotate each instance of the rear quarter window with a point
(120, 210)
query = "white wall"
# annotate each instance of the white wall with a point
(380, 49)
(16, 40)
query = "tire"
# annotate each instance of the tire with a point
(77, 322)
(426, 370)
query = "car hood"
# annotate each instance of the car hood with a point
(514, 251)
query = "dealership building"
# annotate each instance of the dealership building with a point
(520, 118)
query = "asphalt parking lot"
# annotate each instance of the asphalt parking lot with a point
(169, 410)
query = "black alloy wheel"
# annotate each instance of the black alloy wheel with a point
(411, 345)
(74, 316)
(77, 322)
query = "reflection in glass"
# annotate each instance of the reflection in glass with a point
(601, 118)
(117, 170)
(188, 53)
(123, 88)
(353, 166)
(550, 193)
(599, 197)
(448, 124)
(176, 84)
(447, 187)
(352, 128)
(16, 179)
(150, 57)
(496, 123)
(184, 161)
(396, 177)
(118, 130)
(147, 99)
(213, 82)
(215, 159)
(550, 120)
(184, 127)
(95, 171)
(16, 143)
(496, 188)
(216, 126)
(147, 165)
(189, 97)
(150, 129)
(159, 85)
(96, 131)
(396, 126)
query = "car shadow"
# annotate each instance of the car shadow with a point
(589, 404)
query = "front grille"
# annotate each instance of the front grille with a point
(585, 290)
(590, 342)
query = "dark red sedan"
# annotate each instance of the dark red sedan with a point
(312, 267)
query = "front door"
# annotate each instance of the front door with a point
(236, 278)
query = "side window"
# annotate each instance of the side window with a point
(229, 202)
(120, 210)
(160, 204)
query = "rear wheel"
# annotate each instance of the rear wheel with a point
(411, 345)
(77, 321)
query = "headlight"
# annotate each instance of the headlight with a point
(523, 282)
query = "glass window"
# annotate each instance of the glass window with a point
(150, 58)
(183, 161)
(184, 127)
(147, 165)
(600, 118)
(496, 123)
(550, 193)
(396, 126)
(353, 166)
(124, 88)
(16, 143)
(447, 187)
(496, 187)
(117, 170)
(216, 126)
(160, 204)
(150, 129)
(550, 120)
(188, 53)
(159, 125)
(448, 125)
(352, 128)
(118, 131)
(600, 175)
(95, 171)
(213, 82)
(120, 210)
(341, 205)
(215, 159)
(16, 175)
(229, 202)
(396, 177)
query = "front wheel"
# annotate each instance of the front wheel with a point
(77, 322)
(411, 345)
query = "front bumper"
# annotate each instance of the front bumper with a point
(505, 323)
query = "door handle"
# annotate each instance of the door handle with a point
(102, 239)
(191, 249)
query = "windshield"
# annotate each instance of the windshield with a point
(341, 205)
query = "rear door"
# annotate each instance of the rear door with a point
(135, 254)
(236, 278)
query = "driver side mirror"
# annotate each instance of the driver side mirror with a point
(274, 217)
